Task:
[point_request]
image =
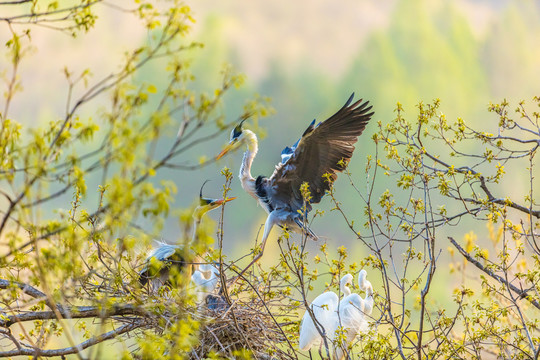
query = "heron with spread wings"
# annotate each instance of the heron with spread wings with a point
(324, 148)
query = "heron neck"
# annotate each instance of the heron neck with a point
(362, 283)
(346, 291)
(248, 182)
(196, 223)
(369, 290)
(368, 302)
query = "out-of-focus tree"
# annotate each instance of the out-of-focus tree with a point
(436, 53)
(71, 274)
(509, 71)
(490, 306)
(68, 278)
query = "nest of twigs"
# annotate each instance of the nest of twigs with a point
(243, 325)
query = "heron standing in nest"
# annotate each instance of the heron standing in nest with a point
(158, 265)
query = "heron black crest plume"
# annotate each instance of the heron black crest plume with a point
(238, 129)
(202, 186)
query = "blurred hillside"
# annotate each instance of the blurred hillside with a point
(309, 57)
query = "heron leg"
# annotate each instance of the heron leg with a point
(271, 220)
(339, 354)
(310, 234)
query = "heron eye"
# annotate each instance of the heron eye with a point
(204, 202)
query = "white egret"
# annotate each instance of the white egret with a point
(352, 314)
(206, 280)
(323, 149)
(324, 309)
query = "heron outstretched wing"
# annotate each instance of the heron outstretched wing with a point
(320, 150)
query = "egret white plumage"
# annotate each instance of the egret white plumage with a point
(324, 309)
(353, 312)
(206, 280)
(324, 148)
(165, 256)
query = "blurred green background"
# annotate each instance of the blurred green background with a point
(308, 57)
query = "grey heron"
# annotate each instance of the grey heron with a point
(316, 158)
(165, 256)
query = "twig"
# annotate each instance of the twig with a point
(27, 289)
(72, 349)
(522, 294)
(74, 312)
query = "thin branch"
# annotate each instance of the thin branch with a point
(36, 17)
(522, 294)
(74, 312)
(14, 2)
(27, 289)
(72, 349)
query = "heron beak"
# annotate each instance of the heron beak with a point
(222, 201)
(228, 148)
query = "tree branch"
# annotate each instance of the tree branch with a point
(521, 293)
(14, 2)
(73, 349)
(68, 312)
(27, 289)
(74, 312)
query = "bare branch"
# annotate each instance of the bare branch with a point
(73, 349)
(75, 312)
(14, 2)
(27, 289)
(521, 293)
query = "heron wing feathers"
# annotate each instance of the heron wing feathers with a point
(164, 252)
(319, 152)
(167, 254)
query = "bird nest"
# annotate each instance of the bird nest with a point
(241, 327)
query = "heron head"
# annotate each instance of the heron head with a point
(344, 283)
(347, 279)
(237, 135)
(363, 283)
(207, 204)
